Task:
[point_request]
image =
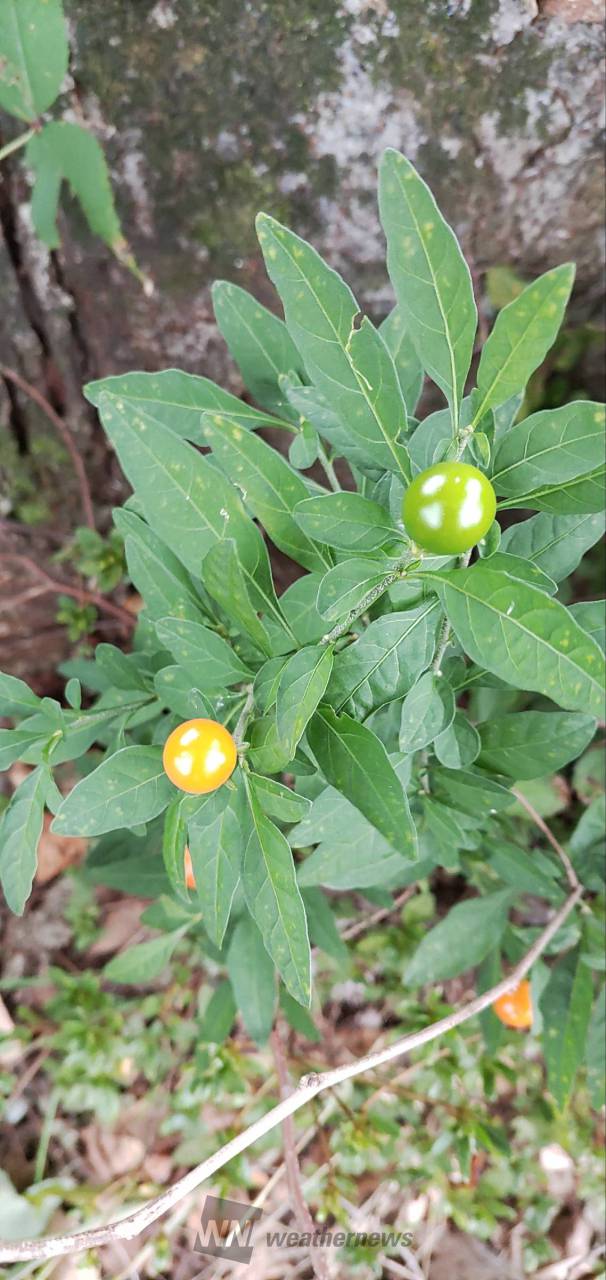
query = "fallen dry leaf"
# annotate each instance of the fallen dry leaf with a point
(111, 1154)
(11, 1051)
(119, 927)
(57, 853)
(574, 10)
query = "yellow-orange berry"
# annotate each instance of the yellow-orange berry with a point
(515, 1008)
(190, 879)
(199, 756)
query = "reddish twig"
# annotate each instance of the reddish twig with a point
(65, 589)
(303, 1218)
(63, 430)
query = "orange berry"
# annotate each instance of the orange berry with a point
(190, 879)
(515, 1008)
(199, 756)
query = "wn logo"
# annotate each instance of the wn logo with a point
(226, 1229)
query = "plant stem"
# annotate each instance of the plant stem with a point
(328, 469)
(45, 1136)
(445, 630)
(244, 717)
(15, 143)
(375, 593)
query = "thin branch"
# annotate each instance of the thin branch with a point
(65, 589)
(66, 436)
(15, 143)
(354, 930)
(310, 1086)
(571, 874)
(445, 631)
(240, 729)
(303, 1218)
(328, 470)
(371, 596)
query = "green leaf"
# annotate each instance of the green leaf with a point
(522, 335)
(380, 431)
(144, 962)
(359, 383)
(361, 864)
(157, 574)
(298, 604)
(594, 1053)
(344, 587)
(187, 501)
(458, 745)
(427, 710)
(302, 685)
(64, 152)
(587, 845)
(323, 929)
(20, 831)
(219, 1015)
(430, 277)
(206, 656)
(550, 448)
(252, 977)
(216, 838)
(566, 1008)
(528, 872)
(174, 689)
(523, 636)
(461, 940)
(266, 681)
(14, 743)
(177, 401)
(298, 1018)
(258, 341)
(555, 543)
(16, 697)
(126, 789)
(452, 829)
(587, 493)
(304, 447)
(279, 801)
(174, 839)
(225, 579)
(134, 866)
(313, 408)
(34, 55)
(591, 616)
(521, 569)
(122, 669)
(530, 744)
(408, 366)
(81, 729)
(269, 487)
(489, 973)
(473, 793)
(268, 753)
(274, 900)
(355, 762)
(384, 662)
(347, 521)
